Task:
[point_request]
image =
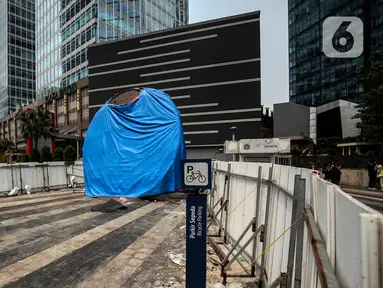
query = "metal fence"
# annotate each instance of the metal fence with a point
(75, 175)
(293, 228)
(39, 176)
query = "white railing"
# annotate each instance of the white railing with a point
(315, 235)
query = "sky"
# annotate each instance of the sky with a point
(274, 39)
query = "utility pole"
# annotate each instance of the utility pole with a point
(233, 129)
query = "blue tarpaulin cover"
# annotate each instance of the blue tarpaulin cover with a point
(134, 150)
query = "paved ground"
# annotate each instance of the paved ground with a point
(54, 240)
(372, 198)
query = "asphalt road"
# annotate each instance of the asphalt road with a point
(372, 198)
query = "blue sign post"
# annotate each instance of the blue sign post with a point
(196, 241)
(196, 176)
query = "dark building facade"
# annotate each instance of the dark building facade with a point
(316, 79)
(210, 69)
(330, 120)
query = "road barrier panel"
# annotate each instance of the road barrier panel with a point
(293, 228)
(40, 176)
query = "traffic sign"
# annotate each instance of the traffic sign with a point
(196, 173)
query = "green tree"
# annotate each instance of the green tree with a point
(370, 110)
(36, 123)
(23, 158)
(327, 145)
(69, 154)
(5, 144)
(35, 155)
(46, 154)
(58, 155)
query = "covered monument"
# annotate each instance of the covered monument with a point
(134, 149)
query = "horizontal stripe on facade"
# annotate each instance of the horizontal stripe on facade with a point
(177, 88)
(140, 58)
(169, 44)
(202, 67)
(140, 84)
(199, 30)
(201, 132)
(222, 121)
(139, 67)
(221, 112)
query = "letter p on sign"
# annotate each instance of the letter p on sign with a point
(189, 169)
(196, 174)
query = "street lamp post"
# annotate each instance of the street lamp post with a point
(233, 129)
(220, 151)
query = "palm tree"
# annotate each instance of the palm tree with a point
(5, 144)
(36, 123)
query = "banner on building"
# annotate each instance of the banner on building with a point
(78, 99)
(65, 104)
(231, 147)
(268, 146)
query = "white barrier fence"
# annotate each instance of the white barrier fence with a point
(40, 176)
(76, 170)
(285, 245)
(310, 233)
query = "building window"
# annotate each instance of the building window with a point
(60, 113)
(72, 105)
(85, 103)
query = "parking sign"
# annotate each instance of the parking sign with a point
(196, 173)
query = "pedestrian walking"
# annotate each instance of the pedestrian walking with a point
(372, 175)
(327, 171)
(379, 170)
(337, 172)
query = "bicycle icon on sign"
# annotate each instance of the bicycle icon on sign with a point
(196, 176)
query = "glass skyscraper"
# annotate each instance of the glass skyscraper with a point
(48, 64)
(316, 79)
(64, 30)
(17, 54)
(376, 24)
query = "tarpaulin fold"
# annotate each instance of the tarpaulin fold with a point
(134, 150)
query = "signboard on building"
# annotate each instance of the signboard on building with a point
(65, 104)
(196, 174)
(78, 99)
(231, 147)
(265, 146)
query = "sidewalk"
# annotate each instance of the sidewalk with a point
(363, 191)
(53, 239)
(372, 198)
